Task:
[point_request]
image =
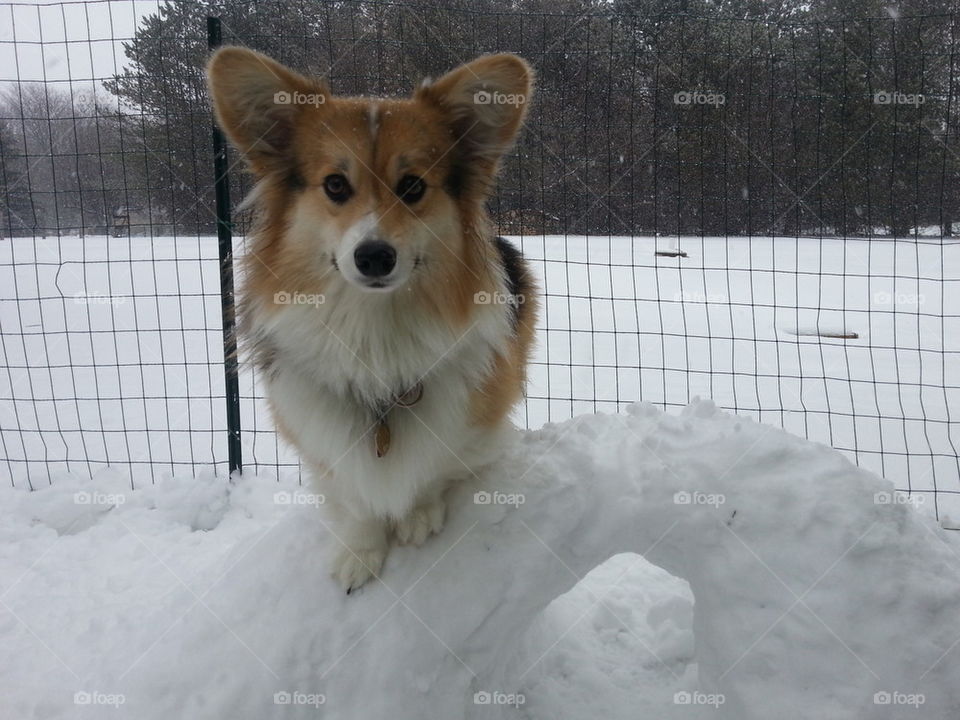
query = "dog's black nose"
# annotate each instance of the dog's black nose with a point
(375, 258)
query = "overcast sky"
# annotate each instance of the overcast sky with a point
(79, 40)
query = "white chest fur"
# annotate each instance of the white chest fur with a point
(335, 362)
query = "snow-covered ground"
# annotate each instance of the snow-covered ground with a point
(111, 347)
(751, 574)
(639, 564)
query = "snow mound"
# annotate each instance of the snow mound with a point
(819, 592)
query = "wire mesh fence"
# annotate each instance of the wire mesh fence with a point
(760, 211)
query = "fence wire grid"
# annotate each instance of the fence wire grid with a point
(756, 209)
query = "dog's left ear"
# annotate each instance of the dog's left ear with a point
(485, 101)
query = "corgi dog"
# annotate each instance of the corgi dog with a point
(392, 329)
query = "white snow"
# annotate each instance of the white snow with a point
(788, 584)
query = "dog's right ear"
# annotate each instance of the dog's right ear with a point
(255, 100)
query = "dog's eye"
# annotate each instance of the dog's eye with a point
(337, 187)
(411, 188)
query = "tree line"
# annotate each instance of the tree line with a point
(716, 117)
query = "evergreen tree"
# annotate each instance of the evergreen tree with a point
(16, 212)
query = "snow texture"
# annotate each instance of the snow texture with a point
(816, 592)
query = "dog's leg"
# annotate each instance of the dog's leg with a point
(363, 546)
(425, 518)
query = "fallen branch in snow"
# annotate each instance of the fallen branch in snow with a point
(818, 592)
(836, 333)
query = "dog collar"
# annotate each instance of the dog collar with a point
(381, 435)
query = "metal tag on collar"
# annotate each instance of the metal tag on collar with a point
(381, 433)
(381, 438)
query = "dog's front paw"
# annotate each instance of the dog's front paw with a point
(424, 520)
(355, 566)
(363, 546)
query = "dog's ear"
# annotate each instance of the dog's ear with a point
(485, 101)
(257, 101)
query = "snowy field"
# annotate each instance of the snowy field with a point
(751, 575)
(636, 565)
(110, 349)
